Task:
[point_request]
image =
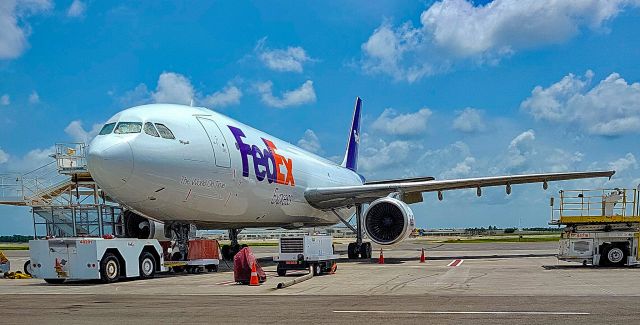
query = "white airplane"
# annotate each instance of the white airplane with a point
(184, 165)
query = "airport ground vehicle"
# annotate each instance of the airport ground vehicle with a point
(300, 253)
(602, 227)
(108, 259)
(5, 265)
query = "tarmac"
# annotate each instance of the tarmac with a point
(484, 283)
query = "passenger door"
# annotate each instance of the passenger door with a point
(218, 142)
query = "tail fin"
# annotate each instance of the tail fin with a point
(351, 156)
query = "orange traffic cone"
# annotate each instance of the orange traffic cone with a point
(381, 258)
(422, 256)
(254, 281)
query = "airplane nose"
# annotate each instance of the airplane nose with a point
(111, 165)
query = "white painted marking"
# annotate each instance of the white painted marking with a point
(460, 312)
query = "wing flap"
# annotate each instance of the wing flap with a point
(334, 197)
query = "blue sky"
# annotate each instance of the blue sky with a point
(451, 88)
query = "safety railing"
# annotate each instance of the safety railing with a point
(71, 157)
(593, 203)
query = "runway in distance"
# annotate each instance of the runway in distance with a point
(184, 165)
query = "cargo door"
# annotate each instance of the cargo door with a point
(218, 142)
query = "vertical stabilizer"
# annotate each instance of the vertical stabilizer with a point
(351, 156)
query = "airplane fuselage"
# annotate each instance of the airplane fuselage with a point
(216, 172)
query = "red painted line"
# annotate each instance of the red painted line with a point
(455, 263)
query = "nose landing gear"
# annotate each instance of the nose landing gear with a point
(229, 251)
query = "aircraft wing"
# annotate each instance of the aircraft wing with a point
(335, 197)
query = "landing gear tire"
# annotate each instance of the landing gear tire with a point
(613, 256)
(109, 268)
(229, 251)
(365, 251)
(54, 281)
(352, 251)
(147, 265)
(226, 249)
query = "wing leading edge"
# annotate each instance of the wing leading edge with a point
(335, 197)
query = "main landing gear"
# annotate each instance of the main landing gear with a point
(179, 232)
(229, 251)
(359, 249)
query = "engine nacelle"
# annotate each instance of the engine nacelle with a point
(137, 226)
(388, 221)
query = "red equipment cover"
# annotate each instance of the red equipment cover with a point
(203, 249)
(242, 266)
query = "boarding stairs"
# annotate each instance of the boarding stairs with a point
(65, 200)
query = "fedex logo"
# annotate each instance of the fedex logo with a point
(266, 162)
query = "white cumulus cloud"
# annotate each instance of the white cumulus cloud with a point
(303, 95)
(610, 108)
(455, 30)
(175, 88)
(469, 120)
(14, 28)
(391, 122)
(4, 157)
(79, 134)
(76, 9)
(5, 100)
(625, 163)
(290, 59)
(229, 95)
(310, 142)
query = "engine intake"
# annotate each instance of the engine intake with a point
(137, 226)
(388, 221)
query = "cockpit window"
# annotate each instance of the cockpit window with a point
(107, 128)
(164, 131)
(128, 127)
(150, 130)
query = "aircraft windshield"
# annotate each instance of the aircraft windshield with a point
(150, 130)
(128, 127)
(107, 128)
(164, 131)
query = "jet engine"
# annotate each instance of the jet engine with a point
(137, 226)
(388, 221)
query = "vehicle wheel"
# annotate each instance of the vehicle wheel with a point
(178, 269)
(281, 271)
(614, 255)
(147, 265)
(27, 268)
(212, 268)
(317, 269)
(54, 281)
(109, 268)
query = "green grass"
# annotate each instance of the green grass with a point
(13, 247)
(524, 239)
